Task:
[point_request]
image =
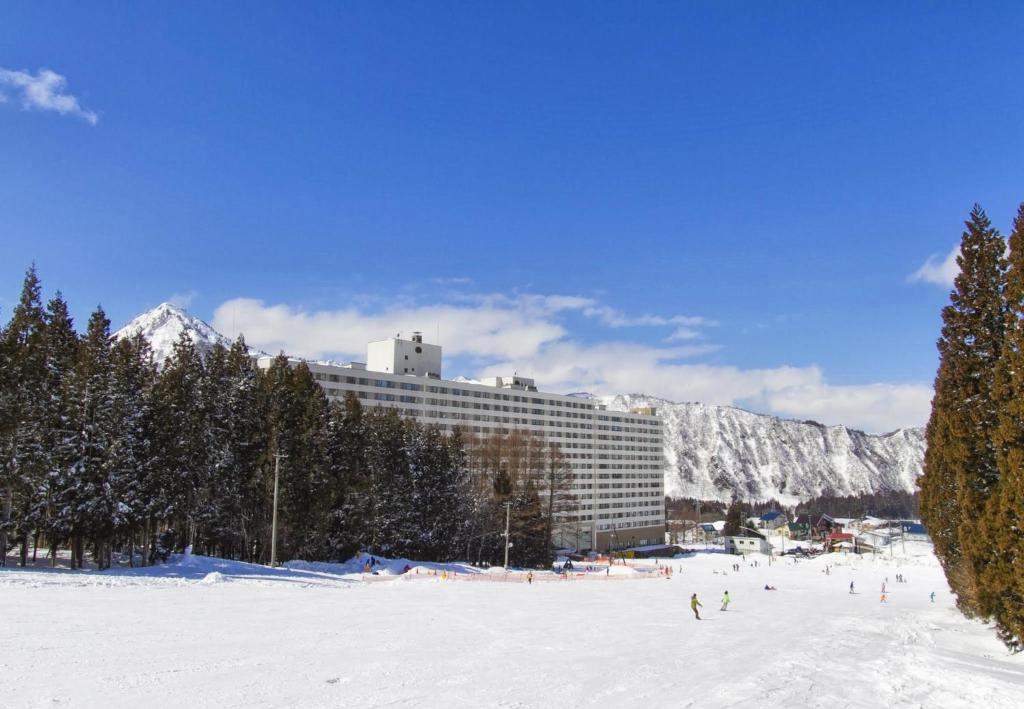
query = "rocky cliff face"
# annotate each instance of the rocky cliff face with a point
(712, 450)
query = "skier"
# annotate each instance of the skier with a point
(529, 577)
(883, 588)
(851, 587)
(694, 603)
(883, 598)
(933, 596)
(725, 601)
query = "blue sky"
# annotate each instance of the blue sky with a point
(722, 202)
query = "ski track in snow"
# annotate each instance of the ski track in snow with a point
(213, 633)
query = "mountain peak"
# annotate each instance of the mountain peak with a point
(163, 325)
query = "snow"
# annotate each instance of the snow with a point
(712, 451)
(207, 632)
(163, 325)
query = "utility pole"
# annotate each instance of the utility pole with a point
(700, 492)
(273, 526)
(508, 519)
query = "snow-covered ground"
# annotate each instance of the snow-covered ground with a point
(211, 633)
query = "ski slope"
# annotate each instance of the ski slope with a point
(210, 633)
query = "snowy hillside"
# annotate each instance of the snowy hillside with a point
(712, 450)
(162, 327)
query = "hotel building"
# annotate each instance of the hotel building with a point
(616, 457)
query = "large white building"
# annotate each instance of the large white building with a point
(616, 457)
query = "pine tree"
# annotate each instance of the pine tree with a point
(23, 466)
(391, 513)
(960, 462)
(7, 398)
(232, 505)
(346, 521)
(440, 494)
(734, 519)
(1002, 525)
(61, 356)
(95, 505)
(181, 445)
(130, 463)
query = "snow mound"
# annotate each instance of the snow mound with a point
(212, 578)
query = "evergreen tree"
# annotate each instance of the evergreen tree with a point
(391, 513)
(1002, 525)
(304, 493)
(23, 466)
(346, 522)
(7, 398)
(130, 463)
(61, 356)
(181, 444)
(960, 461)
(94, 506)
(734, 519)
(439, 503)
(233, 506)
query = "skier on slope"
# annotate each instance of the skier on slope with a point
(694, 603)
(725, 601)
(851, 587)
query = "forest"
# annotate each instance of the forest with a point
(112, 458)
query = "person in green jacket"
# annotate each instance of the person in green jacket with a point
(694, 603)
(725, 601)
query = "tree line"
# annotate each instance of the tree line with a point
(105, 454)
(972, 489)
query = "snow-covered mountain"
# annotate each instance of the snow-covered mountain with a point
(712, 450)
(162, 327)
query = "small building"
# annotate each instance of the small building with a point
(772, 520)
(747, 545)
(914, 531)
(872, 540)
(840, 540)
(867, 523)
(826, 525)
(712, 531)
(797, 530)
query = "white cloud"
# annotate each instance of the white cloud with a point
(616, 318)
(492, 326)
(873, 407)
(794, 392)
(938, 270)
(44, 91)
(183, 300)
(683, 333)
(495, 334)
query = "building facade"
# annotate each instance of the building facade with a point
(616, 457)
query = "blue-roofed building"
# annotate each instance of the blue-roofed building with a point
(772, 520)
(914, 531)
